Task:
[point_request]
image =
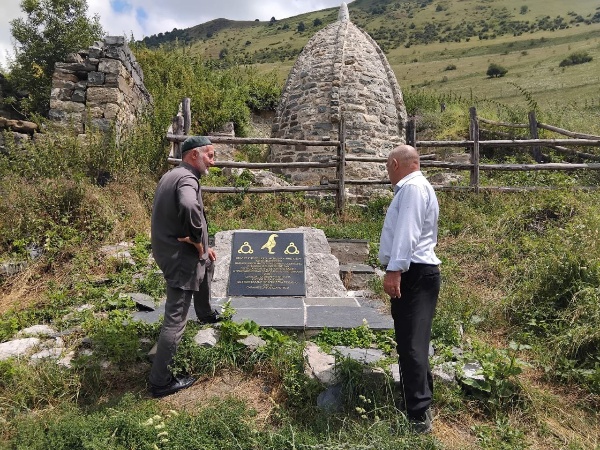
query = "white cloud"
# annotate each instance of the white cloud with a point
(146, 17)
(10, 10)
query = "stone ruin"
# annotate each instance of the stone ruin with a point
(341, 74)
(100, 87)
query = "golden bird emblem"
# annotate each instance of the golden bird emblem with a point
(270, 244)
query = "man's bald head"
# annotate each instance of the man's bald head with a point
(402, 160)
(405, 153)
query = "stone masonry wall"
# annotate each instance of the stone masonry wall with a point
(341, 74)
(99, 87)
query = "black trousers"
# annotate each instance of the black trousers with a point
(413, 316)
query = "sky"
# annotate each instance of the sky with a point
(147, 17)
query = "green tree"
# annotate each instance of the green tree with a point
(301, 27)
(317, 22)
(496, 71)
(51, 30)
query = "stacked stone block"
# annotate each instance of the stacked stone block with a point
(99, 87)
(341, 74)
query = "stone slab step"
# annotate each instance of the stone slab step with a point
(295, 313)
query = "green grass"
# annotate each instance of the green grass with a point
(532, 59)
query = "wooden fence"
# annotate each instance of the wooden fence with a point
(181, 126)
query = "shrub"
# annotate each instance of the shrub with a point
(576, 58)
(496, 71)
(220, 92)
(418, 101)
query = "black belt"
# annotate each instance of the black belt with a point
(420, 266)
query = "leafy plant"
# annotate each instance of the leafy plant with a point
(500, 436)
(116, 337)
(359, 337)
(500, 386)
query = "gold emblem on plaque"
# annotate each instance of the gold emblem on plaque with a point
(245, 249)
(270, 244)
(291, 249)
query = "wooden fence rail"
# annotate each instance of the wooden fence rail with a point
(567, 132)
(181, 126)
(238, 140)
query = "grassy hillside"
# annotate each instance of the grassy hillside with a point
(423, 38)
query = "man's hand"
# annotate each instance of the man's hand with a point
(198, 245)
(391, 283)
(211, 254)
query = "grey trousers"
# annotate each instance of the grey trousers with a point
(175, 319)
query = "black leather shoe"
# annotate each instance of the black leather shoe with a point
(213, 317)
(421, 425)
(176, 384)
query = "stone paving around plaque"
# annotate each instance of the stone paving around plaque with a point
(296, 313)
(327, 303)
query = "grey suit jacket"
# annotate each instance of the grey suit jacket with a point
(178, 211)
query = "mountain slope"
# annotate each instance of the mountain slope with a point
(443, 45)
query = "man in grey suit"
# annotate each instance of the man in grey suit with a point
(180, 248)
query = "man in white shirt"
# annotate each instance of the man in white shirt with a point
(412, 277)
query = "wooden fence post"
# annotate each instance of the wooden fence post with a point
(411, 131)
(533, 129)
(187, 115)
(474, 135)
(340, 199)
(177, 125)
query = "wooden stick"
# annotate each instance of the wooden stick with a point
(187, 115)
(567, 132)
(379, 159)
(570, 151)
(533, 129)
(263, 190)
(278, 141)
(247, 165)
(474, 135)
(511, 142)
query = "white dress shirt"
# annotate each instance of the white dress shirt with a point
(410, 228)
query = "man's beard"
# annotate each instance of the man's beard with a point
(203, 169)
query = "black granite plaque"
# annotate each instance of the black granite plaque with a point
(267, 264)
